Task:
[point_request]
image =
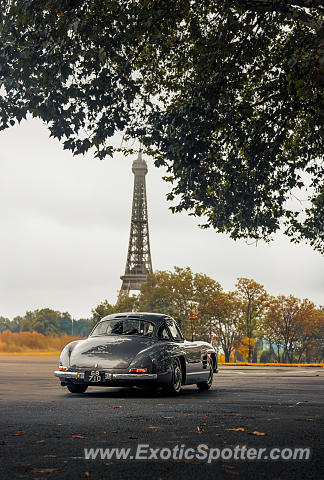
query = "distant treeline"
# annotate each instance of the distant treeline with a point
(245, 324)
(47, 322)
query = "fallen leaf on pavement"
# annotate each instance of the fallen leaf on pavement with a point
(200, 429)
(240, 429)
(45, 470)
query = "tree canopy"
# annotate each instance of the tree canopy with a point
(48, 322)
(227, 94)
(254, 300)
(295, 326)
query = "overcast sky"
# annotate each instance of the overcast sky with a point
(65, 227)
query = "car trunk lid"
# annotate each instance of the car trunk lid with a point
(109, 352)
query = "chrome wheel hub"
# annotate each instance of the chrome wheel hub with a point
(177, 378)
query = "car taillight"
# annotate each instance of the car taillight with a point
(62, 368)
(138, 370)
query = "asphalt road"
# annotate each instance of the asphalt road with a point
(44, 429)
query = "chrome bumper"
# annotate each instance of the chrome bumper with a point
(62, 373)
(131, 376)
(108, 376)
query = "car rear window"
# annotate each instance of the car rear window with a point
(124, 326)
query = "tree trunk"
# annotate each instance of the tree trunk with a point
(250, 351)
(227, 355)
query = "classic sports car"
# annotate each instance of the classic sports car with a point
(137, 349)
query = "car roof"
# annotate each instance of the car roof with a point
(155, 318)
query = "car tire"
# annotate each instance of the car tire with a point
(174, 387)
(77, 388)
(208, 383)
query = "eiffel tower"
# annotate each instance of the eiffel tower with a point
(139, 263)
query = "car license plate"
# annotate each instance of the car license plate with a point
(94, 376)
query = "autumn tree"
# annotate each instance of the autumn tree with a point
(316, 351)
(254, 299)
(182, 291)
(4, 324)
(308, 327)
(206, 293)
(228, 322)
(81, 327)
(16, 323)
(126, 303)
(171, 292)
(269, 332)
(66, 324)
(245, 345)
(291, 322)
(227, 94)
(74, 327)
(45, 321)
(102, 310)
(156, 294)
(185, 295)
(27, 322)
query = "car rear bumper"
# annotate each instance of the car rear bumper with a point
(108, 376)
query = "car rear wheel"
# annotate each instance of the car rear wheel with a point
(208, 383)
(76, 388)
(175, 386)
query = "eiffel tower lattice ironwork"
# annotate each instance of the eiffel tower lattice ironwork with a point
(139, 263)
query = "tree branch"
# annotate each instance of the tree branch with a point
(274, 4)
(286, 8)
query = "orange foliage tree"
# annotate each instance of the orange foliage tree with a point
(292, 324)
(254, 299)
(245, 346)
(227, 321)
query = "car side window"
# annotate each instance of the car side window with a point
(174, 329)
(163, 333)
